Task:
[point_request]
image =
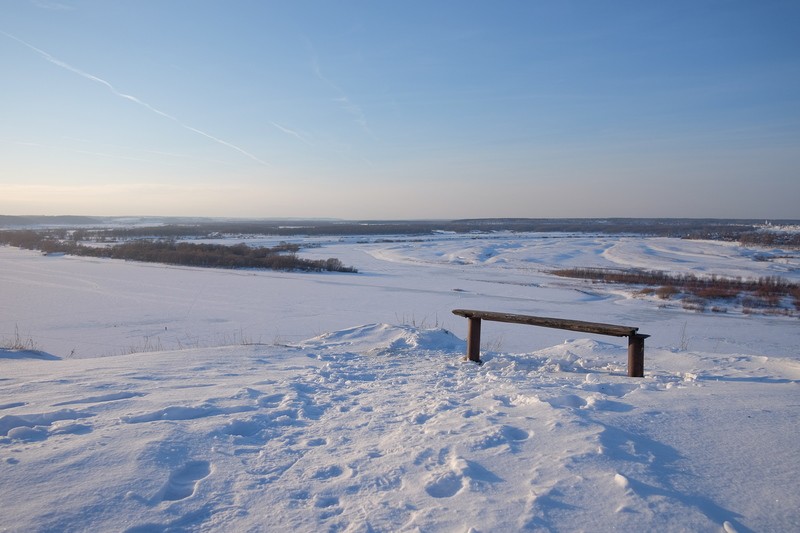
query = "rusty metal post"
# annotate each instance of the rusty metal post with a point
(636, 355)
(474, 339)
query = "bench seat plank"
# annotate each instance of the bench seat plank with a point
(559, 323)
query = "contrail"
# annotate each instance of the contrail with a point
(132, 98)
(293, 133)
(343, 100)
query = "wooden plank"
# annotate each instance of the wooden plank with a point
(547, 322)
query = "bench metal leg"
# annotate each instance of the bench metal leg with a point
(636, 355)
(474, 339)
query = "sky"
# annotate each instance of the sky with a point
(400, 110)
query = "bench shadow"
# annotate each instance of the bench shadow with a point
(663, 464)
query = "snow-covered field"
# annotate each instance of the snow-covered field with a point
(176, 399)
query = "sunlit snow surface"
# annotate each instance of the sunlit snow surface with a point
(341, 402)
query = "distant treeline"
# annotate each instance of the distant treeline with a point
(770, 238)
(281, 257)
(656, 227)
(110, 229)
(731, 231)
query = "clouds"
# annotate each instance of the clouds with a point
(133, 99)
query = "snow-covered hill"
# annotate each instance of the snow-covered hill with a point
(378, 425)
(383, 428)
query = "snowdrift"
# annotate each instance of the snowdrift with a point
(383, 428)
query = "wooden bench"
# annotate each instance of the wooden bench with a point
(635, 339)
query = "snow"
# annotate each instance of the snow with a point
(157, 398)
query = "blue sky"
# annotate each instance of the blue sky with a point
(412, 109)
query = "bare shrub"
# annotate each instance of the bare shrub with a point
(756, 302)
(18, 343)
(693, 303)
(717, 293)
(771, 292)
(666, 292)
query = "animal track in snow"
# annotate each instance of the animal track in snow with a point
(183, 482)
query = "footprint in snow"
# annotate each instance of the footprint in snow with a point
(421, 418)
(327, 506)
(446, 485)
(459, 472)
(515, 434)
(505, 435)
(567, 401)
(617, 390)
(273, 400)
(242, 428)
(328, 472)
(183, 482)
(600, 404)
